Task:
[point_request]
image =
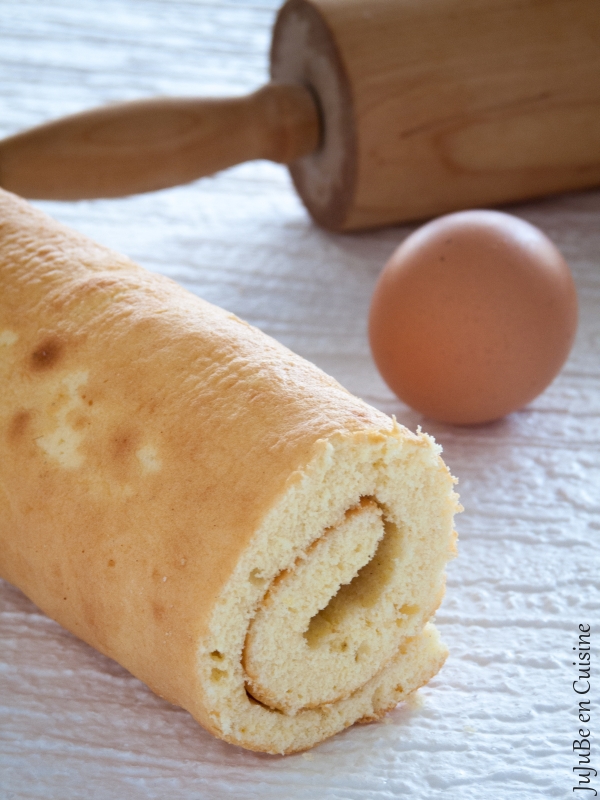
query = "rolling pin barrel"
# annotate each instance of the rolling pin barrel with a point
(430, 106)
(385, 111)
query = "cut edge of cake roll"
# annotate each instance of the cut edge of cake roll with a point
(209, 509)
(325, 621)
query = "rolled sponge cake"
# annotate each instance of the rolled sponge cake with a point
(202, 505)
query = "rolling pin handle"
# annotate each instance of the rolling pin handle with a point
(145, 145)
(293, 119)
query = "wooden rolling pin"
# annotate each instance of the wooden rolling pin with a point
(385, 111)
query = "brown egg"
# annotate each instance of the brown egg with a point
(472, 317)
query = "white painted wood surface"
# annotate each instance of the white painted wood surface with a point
(500, 719)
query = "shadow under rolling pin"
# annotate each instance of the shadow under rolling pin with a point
(384, 110)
